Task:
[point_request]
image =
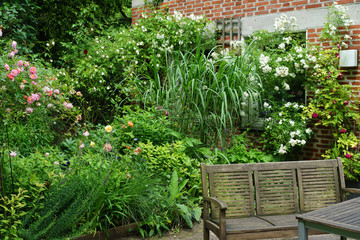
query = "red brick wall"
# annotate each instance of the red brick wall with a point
(239, 8)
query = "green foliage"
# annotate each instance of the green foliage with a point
(19, 22)
(334, 104)
(33, 102)
(69, 207)
(203, 96)
(285, 131)
(11, 213)
(281, 61)
(166, 158)
(105, 62)
(139, 125)
(132, 196)
(180, 204)
(243, 151)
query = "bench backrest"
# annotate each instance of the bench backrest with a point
(274, 188)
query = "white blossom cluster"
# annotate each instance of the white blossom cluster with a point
(284, 23)
(281, 71)
(340, 17)
(342, 10)
(282, 149)
(264, 63)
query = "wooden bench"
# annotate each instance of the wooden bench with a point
(261, 200)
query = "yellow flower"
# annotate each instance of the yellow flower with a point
(108, 128)
(92, 144)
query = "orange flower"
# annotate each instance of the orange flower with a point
(130, 124)
(128, 147)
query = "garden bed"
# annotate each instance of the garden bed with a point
(113, 233)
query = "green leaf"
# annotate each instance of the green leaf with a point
(184, 211)
(173, 188)
(197, 213)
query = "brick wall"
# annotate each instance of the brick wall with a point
(239, 8)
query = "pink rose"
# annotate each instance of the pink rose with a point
(346, 102)
(29, 110)
(20, 63)
(33, 76)
(26, 64)
(315, 115)
(69, 106)
(35, 96)
(57, 91)
(13, 44)
(33, 83)
(12, 54)
(343, 130)
(32, 70)
(107, 147)
(11, 77)
(14, 72)
(7, 67)
(86, 133)
(348, 155)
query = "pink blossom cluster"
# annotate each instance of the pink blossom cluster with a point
(14, 73)
(68, 105)
(14, 51)
(35, 91)
(34, 97)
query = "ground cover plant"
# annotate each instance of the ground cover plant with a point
(117, 133)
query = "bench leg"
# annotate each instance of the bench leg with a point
(303, 232)
(206, 233)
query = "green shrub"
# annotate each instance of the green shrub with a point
(166, 158)
(139, 125)
(69, 208)
(243, 151)
(11, 213)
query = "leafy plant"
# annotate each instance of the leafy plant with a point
(334, 104)
(286, 131)
(243, 151)
(204, 96)
(166, 158)
(11, 214)
(69, 207)
(179, 202)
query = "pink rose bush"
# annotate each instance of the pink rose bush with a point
(32, 89)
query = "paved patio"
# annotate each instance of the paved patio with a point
(197, 234)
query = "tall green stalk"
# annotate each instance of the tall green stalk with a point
(203, 95)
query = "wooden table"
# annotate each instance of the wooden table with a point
(342, 219)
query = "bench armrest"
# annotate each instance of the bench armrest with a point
(218, 203)
(352, 190)
(220, 228)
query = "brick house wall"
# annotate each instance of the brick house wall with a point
(260, 14)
